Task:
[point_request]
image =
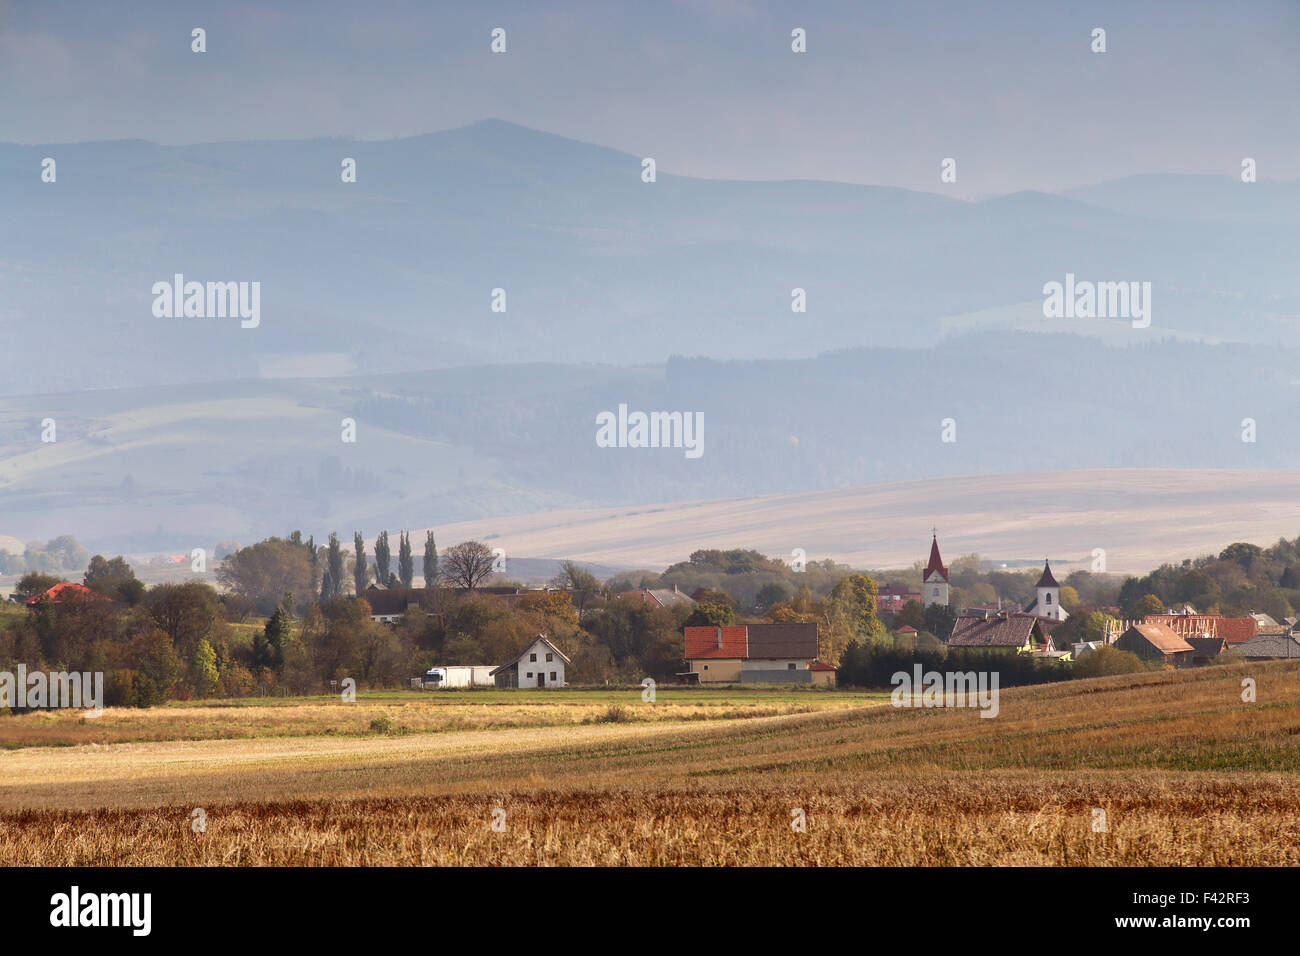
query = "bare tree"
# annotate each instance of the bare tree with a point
(467, 564)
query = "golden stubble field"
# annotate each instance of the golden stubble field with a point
(1184, 771)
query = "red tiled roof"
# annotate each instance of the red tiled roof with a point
(907, 629)
(1234, 630)
(704, 643)
(752, 642)
(66, 591)
(821, 667)
(936, 562)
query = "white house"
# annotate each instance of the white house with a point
(540, 665)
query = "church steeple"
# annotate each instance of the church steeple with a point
(935, 577)
(936, 562)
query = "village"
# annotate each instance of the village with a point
(284, 621)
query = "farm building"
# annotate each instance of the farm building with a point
(1269, 647)
(1157, 642)
(540, 665)
(1002, 631)
(459, 675)
(751, 653)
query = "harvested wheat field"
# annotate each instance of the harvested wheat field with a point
(1184, 771)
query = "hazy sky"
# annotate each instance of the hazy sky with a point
(707, 87)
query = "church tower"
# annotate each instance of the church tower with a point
(935, 578)
(1048, 601)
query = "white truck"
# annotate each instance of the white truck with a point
(459, 675)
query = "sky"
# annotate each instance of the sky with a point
(1012, 91)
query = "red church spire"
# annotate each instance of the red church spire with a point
(936, 562)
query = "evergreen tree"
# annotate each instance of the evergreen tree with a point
(360, 573)
(335, 568)
(430, 560)
(315, 561)
(276, 634)
(383, 556)
(405, 562)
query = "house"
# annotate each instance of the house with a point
(1047, 598)
(66, 592)
(1267, 627)
(660, 597)
(892, 597)
(1085, 647)
(1002, 631)
(459, 675)
(387, 605)
(1205, 649)
(1281, 647)
(934, 580)
(1158, 643)
(822, 674)
(541, 664)
(752, 653)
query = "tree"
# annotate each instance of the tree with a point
(711, 615)
(383, 557)
(574, 578)
(1107, 660)
(276, 634)
(203, 671)
(850, 616)
(405, 562)
(101, 569)
(468, 563)
(35, 582)
(360, 572)
(1147, 604)
(939, 620)
(188, 612)
(264, 571)
(430, 560)
(334, 566)
(1241, 553)
(770, 594)
(911, 613)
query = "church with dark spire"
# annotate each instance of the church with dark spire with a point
(1047, 600)
(935, 577)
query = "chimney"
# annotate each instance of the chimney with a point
(719, 638)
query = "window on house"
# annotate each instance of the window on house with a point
(532, 658)
(789, 666)
(706, 666)
(552, 675)
(549, 658)
(529, 674)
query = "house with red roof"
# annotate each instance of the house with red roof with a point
(751, 653)
(65, 593)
